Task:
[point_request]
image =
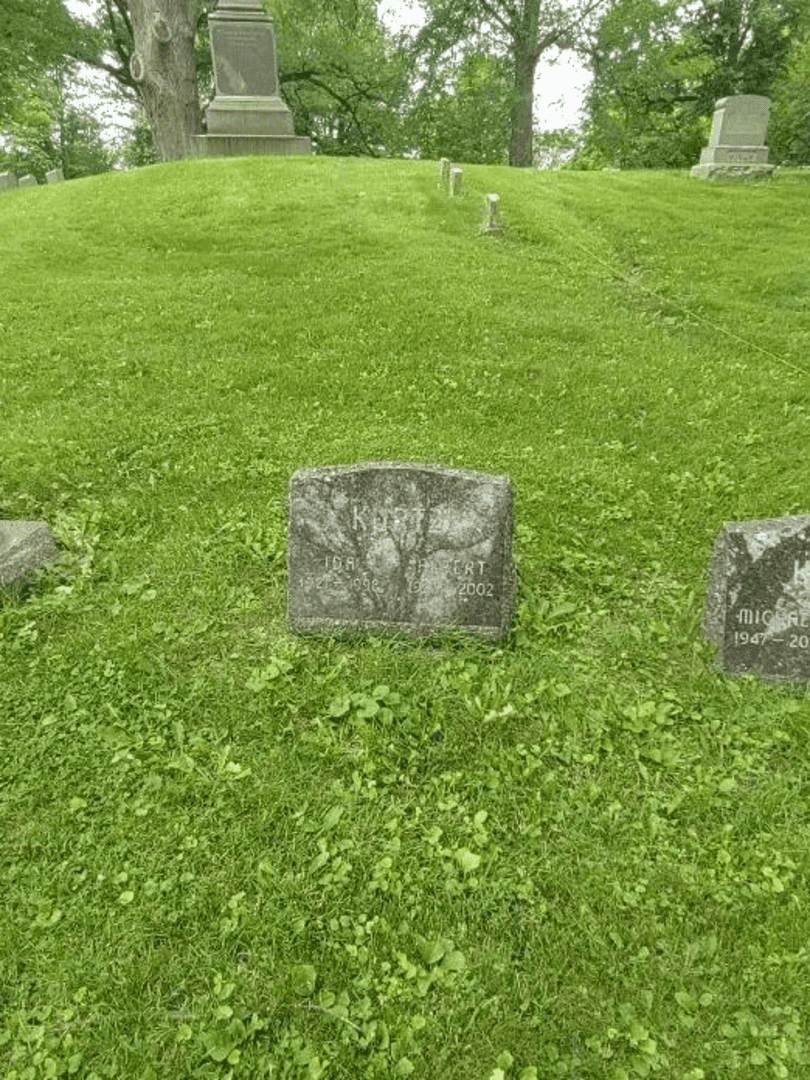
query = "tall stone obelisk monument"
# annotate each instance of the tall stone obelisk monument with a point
(247, 115)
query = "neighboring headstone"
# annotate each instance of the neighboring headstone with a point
(391, 546)
(7, 181)
(758, 598)
(455, 181)
(54, 176)
(247, 115)
(25, 546)
(737, 149)
(493, 220)
(446, 174)
(27, 181)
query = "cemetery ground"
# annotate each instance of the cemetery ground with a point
(230, 852)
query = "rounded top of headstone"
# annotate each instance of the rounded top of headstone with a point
(741, 99)
(240, 5)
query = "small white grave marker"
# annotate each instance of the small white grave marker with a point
(493, 222)
(455, 181)
(445, 178)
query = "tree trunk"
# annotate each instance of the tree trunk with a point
(165, 72)
(520, 145)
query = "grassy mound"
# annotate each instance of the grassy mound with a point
(228, 852)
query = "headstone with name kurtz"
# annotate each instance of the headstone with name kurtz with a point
(247, 115)
(398, 547)
(758, 598)
(737, 149)
(25, 546)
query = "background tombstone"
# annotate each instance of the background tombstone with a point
(54, 176)
(7, 180)
(247, 115)
(493, 218)
(27, 181)
(391, 546)
(758, 598)
(445, 173)
(456, 180)
(25, 546)
(737, 149)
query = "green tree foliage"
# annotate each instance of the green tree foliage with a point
(342, 75)
(659, 66)
(467, 118)
(46, 130)
(520, 31)
(34, 36)
(789, 129)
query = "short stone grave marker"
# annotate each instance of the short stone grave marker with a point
(456, 179)
(445, 173)
(737, 147)
(25, 546)
(493, 221)
(758, 598)
(27, 181)
(398, 547)
(54, 176)
(7, 180)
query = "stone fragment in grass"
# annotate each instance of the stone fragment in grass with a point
(758, 598)
(25, 546)
(398, 547)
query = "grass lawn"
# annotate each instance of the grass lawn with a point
(583, 854)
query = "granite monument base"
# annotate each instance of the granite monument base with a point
(238, 145)
(729, 171)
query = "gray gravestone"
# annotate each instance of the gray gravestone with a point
(25, 546)
(247, 115)
(7, 180)
(54, 176)
(758, 598)
(493, 218)
(27, 181)
(391, 546)
(456, 180)
(737, 149)
(445, 173)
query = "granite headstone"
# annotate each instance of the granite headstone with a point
(25, 546)
(7, 181)
(247, 115)
(399, 547)
(27, 181)
(737, 149)
(758, 598)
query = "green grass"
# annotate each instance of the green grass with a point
(230, 852)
